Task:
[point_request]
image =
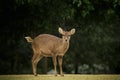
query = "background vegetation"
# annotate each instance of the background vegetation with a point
(95, 48)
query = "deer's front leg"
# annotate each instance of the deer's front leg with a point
(60, 64)
(54, 63)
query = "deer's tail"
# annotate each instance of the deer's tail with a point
(29, 39)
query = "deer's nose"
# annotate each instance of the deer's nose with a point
(66, 40)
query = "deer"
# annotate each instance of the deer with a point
(47, 45)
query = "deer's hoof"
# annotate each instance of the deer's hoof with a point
(62, 74)
(55, 74)
(35, 74)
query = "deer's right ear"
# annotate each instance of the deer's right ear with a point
(61, 31)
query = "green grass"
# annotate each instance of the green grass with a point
(66, 77)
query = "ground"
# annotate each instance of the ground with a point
(66, 77)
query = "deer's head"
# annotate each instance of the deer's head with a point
(66, 34)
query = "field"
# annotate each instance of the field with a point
(66, 77)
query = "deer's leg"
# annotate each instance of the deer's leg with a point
(34, 64)
(54, 63)
(60, 64)
(35, 60)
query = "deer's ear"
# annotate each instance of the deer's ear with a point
(61, 31)
(72, 31)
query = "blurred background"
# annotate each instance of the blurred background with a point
(94, 49)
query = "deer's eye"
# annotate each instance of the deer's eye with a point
(68, 37)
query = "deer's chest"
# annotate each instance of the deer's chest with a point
(62, 49)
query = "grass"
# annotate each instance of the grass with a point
(66, 77)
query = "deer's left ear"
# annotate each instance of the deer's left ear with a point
(72, 31)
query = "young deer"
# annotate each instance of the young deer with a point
(46, 45)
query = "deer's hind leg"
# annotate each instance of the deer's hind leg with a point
(36, 58)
